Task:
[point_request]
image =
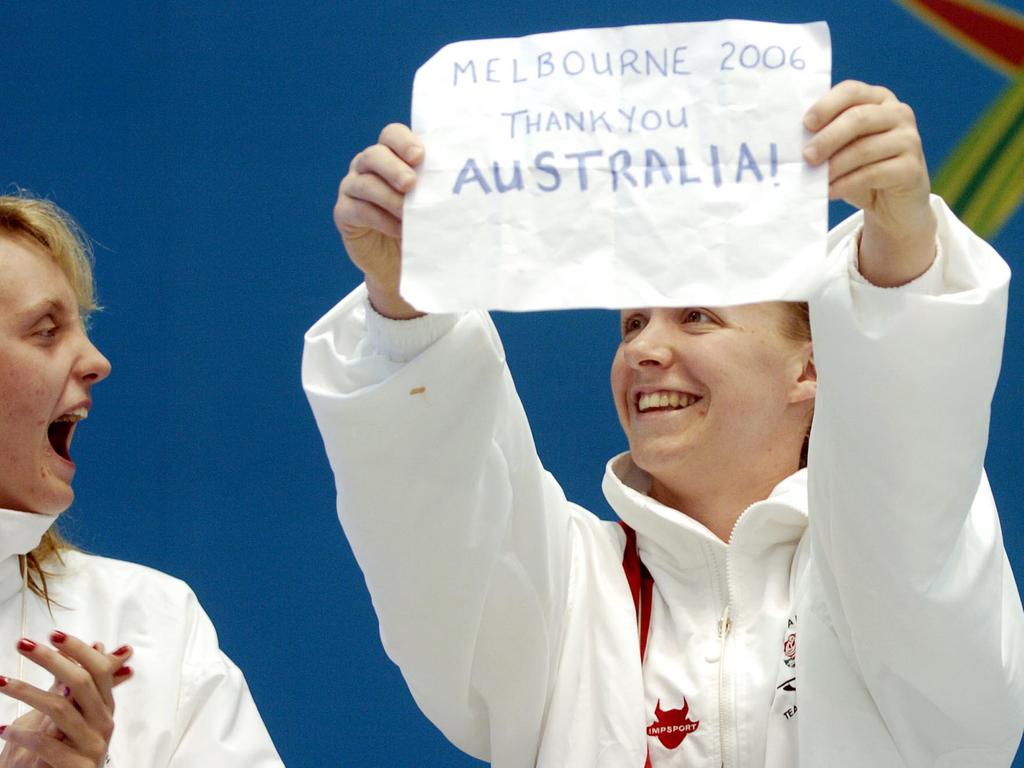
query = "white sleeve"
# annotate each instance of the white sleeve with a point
(904, 531)
(462, 536)
(217, 721)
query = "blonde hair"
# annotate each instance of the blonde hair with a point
(64, 240)
(60, 235)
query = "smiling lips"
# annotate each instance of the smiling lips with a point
(62, 429)
(665, 400)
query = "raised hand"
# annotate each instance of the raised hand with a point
(368, 214)
(875, 160)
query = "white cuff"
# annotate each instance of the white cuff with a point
(402, 340)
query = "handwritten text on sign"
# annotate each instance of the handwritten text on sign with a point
(635, 166)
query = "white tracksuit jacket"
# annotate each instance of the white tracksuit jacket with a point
(883, 630)
(185, 706)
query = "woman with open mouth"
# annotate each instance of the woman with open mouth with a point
(73, 621)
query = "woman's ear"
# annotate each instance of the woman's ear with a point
(806, 385)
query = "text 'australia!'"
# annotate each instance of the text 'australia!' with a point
(577, 171)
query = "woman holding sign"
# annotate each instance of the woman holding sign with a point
(749, 610)
(183, 703)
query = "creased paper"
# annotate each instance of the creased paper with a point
(654, 165)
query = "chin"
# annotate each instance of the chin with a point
(661, 449)
(655, 461)
(52, 504)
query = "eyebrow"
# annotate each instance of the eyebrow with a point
(44, 307)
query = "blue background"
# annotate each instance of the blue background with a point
(201, 146)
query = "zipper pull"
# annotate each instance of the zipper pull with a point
(715, 651)
(724, 624)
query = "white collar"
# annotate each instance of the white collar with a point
(781, 517)
(20, 533)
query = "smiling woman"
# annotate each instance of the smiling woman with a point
(721, 422)
(534, 633)
(186, 705)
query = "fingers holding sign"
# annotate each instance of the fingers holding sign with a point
(876, 162)
(371, 195)
(368, 213)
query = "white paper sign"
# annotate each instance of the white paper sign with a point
(635, 166)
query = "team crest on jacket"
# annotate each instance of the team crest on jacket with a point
(672, 726)
(789, 645)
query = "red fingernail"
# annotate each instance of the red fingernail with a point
(122, 650)
(2, 729)
(123, 672)
(58, 637)
(3, 681)
(26, 645)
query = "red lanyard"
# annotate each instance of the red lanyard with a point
(641, 587)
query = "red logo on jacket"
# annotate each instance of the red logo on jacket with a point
(673, 726)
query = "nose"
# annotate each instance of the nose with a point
(93, 367)
(650, 346)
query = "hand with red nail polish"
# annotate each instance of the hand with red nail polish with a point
(70, 725)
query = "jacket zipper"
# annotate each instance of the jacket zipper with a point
(724, 705)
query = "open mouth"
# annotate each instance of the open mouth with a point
(665, 400)
(62, 429)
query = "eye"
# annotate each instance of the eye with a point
(631, 325)
(46, 329)
(697, 316)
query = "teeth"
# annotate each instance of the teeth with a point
(76, 415)
(665, 400)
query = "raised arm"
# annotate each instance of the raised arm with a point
(913, 580)
(463, 538)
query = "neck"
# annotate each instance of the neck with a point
(718, 513)
(718, 504)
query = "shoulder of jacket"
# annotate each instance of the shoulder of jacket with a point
(84, 572)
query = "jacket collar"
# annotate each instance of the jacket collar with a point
(20, 533)
(780, 518)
